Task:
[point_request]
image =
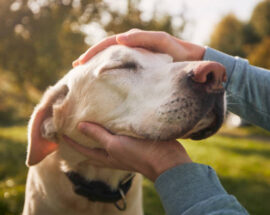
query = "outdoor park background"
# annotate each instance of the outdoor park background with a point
(40, 38)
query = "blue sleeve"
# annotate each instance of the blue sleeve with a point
(192, 189)
(247, 87)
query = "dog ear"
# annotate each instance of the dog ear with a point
(41, 128)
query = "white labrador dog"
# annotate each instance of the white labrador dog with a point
(129, 91)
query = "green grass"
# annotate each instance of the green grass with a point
(12, 169)
(241, 158)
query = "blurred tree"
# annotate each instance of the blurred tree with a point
(249, 35)
(228, 36)
(260, 18)
(34, 39)
(40, 39)
(132, 18)
(261, 54)
(238, 38)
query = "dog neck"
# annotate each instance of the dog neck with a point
(73, 161)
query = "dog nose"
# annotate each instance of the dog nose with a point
(211, 75)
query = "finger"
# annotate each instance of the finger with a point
(96, 132)
(97, 48)
(95, 153)
(146, 39)
(75, 63)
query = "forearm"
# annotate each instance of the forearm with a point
(247, 88)
(195, 189)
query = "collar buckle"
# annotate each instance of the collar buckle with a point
(123, 200)
(123, 206)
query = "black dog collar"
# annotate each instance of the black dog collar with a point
(100, 191)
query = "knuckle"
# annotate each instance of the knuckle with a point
(109, 145)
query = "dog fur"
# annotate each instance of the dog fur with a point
(129, 91)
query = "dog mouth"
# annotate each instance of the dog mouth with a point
(200, 128)
(214, 120)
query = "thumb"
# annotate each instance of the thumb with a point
(93, 153)
(96, 132)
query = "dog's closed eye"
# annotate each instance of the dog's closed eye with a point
(128, 66)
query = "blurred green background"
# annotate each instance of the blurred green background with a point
(40, 38)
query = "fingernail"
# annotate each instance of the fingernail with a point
(75, 63)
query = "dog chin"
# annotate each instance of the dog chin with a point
(215, 120)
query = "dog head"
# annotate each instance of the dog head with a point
(134, 92)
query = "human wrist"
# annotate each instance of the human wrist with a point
(196, 52)
(157, 167)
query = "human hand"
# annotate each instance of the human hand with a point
(151, 158)
(157, 41)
